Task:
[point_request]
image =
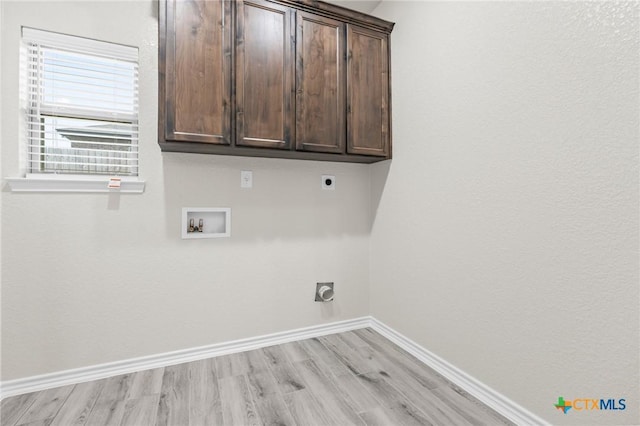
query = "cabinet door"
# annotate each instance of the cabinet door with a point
(264, 74)
(368, 92)
(197, 66)
(320, 81)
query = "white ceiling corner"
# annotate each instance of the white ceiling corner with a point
(365, 6)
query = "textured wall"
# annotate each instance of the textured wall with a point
(505, 237)
(88, 279)
(506, 227)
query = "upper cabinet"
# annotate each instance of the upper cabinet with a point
(264, 74)
(368, 87)
(320, 85)
(196, 56)
(296, 79)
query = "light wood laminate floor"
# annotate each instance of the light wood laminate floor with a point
(357, 377)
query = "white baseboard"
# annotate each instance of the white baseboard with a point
(471, 385)
(102, 371)
(495, 400)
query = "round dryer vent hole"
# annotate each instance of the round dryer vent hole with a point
(324, 292)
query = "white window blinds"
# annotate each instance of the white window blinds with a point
(82, 105)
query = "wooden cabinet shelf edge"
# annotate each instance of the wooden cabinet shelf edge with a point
(273, 78)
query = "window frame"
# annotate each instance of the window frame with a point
(34, 181)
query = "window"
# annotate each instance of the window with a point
(81, 106)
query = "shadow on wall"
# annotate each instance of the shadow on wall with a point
(285, 203)
(379, 175)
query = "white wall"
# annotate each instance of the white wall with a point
(1, 108)
(88, 279)
(506, 227)
(505, 237)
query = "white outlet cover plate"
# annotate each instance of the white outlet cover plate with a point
(246, 179)
(332, 185)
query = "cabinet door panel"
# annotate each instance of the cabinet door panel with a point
(320, 75)
(264, 75)
(368, 92)
(198, 71)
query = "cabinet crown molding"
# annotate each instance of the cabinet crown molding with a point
(342, 13)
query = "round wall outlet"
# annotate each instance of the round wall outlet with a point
(328, 182)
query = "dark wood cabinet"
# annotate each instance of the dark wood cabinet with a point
(195, 79)
(299, 79)
(264, 74)
(320, 84)
(368, 92)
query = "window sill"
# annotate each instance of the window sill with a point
(57, 183)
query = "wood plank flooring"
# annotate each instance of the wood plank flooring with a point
(352, 378)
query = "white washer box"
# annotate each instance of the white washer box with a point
(216, 222)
